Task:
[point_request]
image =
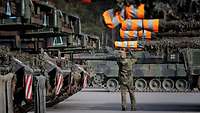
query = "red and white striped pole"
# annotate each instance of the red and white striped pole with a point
(59, 83)
(28, 86)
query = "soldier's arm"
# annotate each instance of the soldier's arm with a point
(133, 60)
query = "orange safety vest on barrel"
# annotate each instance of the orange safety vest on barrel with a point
(134, 13)
(128, 44)
(151, 24)
(132, 25)
(128, 34)
(112, 19)
(142, 34)
(138, 24)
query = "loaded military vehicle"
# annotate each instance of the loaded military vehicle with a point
(167, 72)
(164, 39)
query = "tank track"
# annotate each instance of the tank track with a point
(147, 89)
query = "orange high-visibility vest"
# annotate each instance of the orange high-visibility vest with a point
(127, 44)
(134, 13)
(142, 34)
(132, 24)
(112, 19)
(151, 24)
(138, 24)
(128, 34)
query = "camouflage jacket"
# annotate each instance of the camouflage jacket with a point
(125, 70)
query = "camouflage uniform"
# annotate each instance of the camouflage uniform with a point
(126, 81)
(76, 78)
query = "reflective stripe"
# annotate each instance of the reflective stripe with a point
(129, 24)
(147, 34)
(112, 19)
(123, 44)
(126, 44)
(128, 34)
(115, 21)
(135, 13)
(151, 24)
(142, 34)
(132, 24)
(131, 12)
(122, 14)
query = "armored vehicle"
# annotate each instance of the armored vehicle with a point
(106, 74)
(167, 32)
(178, 71)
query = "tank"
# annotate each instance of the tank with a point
(165, 59)
(168, 72)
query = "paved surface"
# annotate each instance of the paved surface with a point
(107, 102)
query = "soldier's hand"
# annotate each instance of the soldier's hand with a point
(133, 60)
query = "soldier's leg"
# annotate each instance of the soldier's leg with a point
(123, 89)
(132, 98)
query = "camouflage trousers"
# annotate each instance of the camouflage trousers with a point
(124, 88)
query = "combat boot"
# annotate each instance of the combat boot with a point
(133, 109)
(123, 108)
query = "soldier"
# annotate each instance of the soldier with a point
(126, 79)
(76, 76)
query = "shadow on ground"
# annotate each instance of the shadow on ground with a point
(140, 107)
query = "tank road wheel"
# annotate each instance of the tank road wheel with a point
(112, 84)
(140, 84)
(98, 78)
(155, 84)
(181, 85)
(168, 84)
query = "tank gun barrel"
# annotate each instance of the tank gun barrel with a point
(102, 57)
(49, 62)
(21, 64)
(184, 42)
(179, 34)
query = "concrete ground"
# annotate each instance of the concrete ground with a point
(108, 102)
